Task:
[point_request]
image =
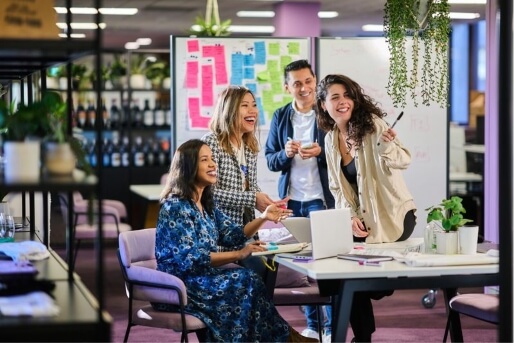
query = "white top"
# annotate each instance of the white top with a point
(304, 183)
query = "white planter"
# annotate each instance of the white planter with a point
(59, 159)
(22, 161)
(468, 239)
(447, 242)
(166, 83)
(137, 81)
(63, 83)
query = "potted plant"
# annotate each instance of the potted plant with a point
(211, 25)
(155, 72)
(138, 67)
(25, 128)
(104, 71)
(428, 23)
(449, 213)
(117, 72)
(79, 76)
(62, 151)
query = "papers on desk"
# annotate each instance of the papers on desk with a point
(414, 259)
(35, 304)
(25, 250)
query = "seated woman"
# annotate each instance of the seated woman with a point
(231, 302)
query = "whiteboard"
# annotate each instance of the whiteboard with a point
(203, 66)
(423, 129)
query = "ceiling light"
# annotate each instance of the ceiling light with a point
(464, 15)
(73, 35)
(271, 14)
(91, 10)
(468, 2)
(131, 46)
(144, 41)
(373, 28)
(327, 14)
(119, 11)
(242, 28)
(252, 28)
(81, 26)
(255, 14)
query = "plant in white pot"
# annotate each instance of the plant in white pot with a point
(450, 214)
(24, 129)
(62, 151)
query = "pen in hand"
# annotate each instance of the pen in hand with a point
(394, 123)
(399, 117)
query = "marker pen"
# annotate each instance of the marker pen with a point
(370, 263)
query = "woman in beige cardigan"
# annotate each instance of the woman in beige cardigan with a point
(365, 160)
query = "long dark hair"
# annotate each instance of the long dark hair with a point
(181, 179)
(361, 121)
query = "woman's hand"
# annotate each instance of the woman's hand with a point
(276, 213)
(251, 247)
(358, 229)
(262, 200)
(389, 135)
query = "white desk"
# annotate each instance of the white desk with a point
(476, 148)
(465, 177)
(341, 279)
(150, 195)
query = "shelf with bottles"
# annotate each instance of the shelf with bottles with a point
(118, 151)
(121, 113)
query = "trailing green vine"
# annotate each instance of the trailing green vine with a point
(430, 30)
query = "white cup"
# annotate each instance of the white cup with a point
(468, 239)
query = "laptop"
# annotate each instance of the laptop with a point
(330, 233)
(299, 228)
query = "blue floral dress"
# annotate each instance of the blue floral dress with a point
(231, 302)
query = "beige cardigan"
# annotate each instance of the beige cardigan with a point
(383, 198)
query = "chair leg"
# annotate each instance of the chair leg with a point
(127, 332)
(74, 258)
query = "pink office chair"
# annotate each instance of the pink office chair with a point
(136, 255)
(82, 203)
(477, 305)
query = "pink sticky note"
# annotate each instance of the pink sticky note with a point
(191, 74)
(195, 118)
(193, 45)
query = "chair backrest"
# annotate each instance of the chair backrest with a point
(137, 260)
(164, 177)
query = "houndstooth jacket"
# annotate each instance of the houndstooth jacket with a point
(228, 191)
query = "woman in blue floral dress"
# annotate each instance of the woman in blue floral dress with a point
(232, 302)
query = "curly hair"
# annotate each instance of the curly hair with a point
(182, 175)
(361, 121)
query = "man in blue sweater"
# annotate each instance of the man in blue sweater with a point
(296, 148)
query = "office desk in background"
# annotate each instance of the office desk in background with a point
(475, 148)
(146, 210)
(341, 279)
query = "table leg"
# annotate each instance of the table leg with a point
(342, 305)
(455, 326)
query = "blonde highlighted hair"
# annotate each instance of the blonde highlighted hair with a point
(225, 120)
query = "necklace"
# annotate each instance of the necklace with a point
(347, 146)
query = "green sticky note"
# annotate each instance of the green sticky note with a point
(263, 76)
(284, 61)
(274, 49)
(273, 66)
(293, 48)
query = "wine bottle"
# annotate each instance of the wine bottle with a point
(124, 152)
(115, 115)
(137, 153)
(91, 115)
(115, 151)
(81, 116)
(148, 118)
(159, 114)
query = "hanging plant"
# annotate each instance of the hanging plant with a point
(211, 25)
(428, 22)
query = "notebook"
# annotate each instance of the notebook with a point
(281, 248)
(331, 234)
(367, 258)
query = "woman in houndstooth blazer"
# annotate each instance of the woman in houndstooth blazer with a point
(235, 147)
